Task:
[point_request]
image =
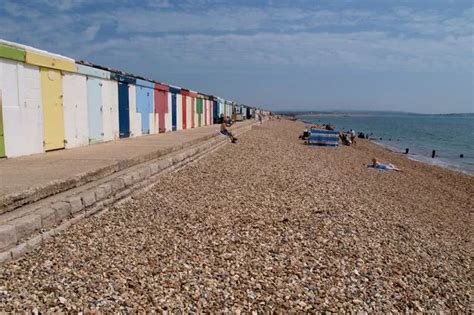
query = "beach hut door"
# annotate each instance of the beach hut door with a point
(146, 112)
(2, 142)
(124, 116)
(53, 110)
(173, 111)
(215, 113)
(94, 106)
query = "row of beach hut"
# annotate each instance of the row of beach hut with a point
(50, 102)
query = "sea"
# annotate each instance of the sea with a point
(450, 135)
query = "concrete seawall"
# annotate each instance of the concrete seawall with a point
(36, 214)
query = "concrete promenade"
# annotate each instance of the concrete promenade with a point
(26, 179)
(43, 195)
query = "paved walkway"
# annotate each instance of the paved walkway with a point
(30, 178)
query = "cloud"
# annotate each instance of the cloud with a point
(375, 51)
(91, 32)
(398, 38)
(288, 19)
(434, 23)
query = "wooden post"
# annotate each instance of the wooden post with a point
(406, 150)
(433, 154)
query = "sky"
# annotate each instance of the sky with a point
(414, 56)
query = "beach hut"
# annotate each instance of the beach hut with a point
(192, 108)
(176, 111)
(135, 116)
(224, 107)
(215, 109)
(244, 112)
(103, 91)
(186, 104)
(2, 138)
(228, 109)
(110, 108)
(208, 110)
(326, 138)
(161, 108)
(194, 116)
(76, 121)
(145, 100)
(188, 108)
(218, 109)
(126, 95)
(239, 112)
(51, 67)
(95, 104)
(197, 102)
(21, 107)
(233, 110)
(205, 106)
(210, 107)
(9, 58)
(169, 116)
(199, 109)
(30, 113)
(249, 113)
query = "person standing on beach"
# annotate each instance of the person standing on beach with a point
(353, 136)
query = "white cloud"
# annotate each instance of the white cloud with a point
(244, 36)
(91, 32)
(252, 19)
(375, 51)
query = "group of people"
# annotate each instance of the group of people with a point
(348, 138)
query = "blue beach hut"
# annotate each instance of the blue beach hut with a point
(124, 83)
(145, 103)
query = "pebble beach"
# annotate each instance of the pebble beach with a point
(267, 224)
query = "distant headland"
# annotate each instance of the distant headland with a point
(338, 113)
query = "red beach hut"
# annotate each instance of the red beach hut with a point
(161, 106)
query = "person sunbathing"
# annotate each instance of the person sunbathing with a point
(226, 132)
(384, 167)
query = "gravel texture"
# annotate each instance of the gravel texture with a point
(266, 224)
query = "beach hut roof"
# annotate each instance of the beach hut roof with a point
(175, 89)
(36, 50)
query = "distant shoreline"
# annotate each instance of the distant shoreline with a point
(333, 115)
(368, 113)
(411, 156)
